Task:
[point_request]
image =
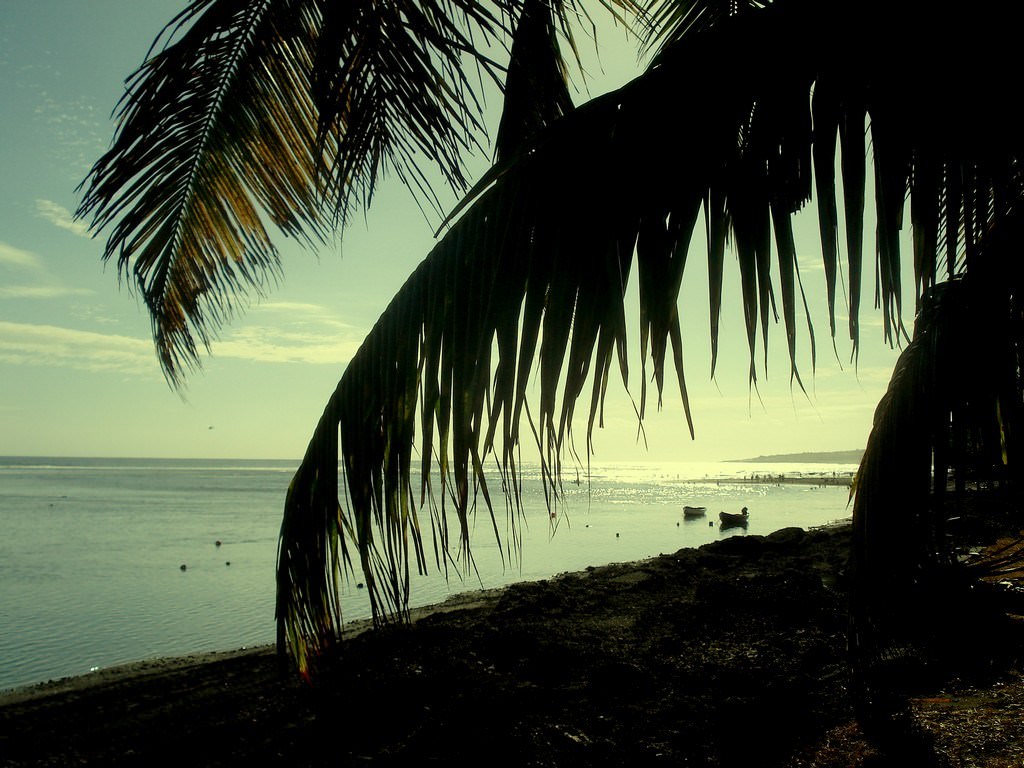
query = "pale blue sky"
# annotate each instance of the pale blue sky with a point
(78, 375)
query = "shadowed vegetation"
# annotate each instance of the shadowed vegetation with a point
(290, 110)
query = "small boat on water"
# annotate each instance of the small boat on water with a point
(734, 520)
(694, 511)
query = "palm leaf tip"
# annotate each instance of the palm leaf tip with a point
(536, 87)
(312, 553)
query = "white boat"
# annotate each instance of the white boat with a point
(694, 511)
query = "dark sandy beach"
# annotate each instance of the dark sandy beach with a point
(727, 655)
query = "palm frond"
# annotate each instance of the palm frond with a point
(536, 266)
(395, 81)
(216, 133)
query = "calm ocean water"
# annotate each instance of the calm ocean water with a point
(91, 549)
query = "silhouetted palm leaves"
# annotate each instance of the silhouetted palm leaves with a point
(744, 114)
(283, 112)
(535, 269)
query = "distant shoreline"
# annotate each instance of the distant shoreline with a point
(837, 479)
(852, 456)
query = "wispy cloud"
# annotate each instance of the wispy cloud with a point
(292, 332)
(31, 344)
(60, 217)
(40, 291)
(314, 317)
(296, 307)
(9, 255)
(74, 128)
(40, 284)
(23, 343)
(93, 314)
(275, 345)
(810, 263)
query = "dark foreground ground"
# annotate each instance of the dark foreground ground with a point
(728, 655)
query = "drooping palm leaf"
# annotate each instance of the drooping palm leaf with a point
(254, 110)
(536, 267)
(395, 81)
(216, 135)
